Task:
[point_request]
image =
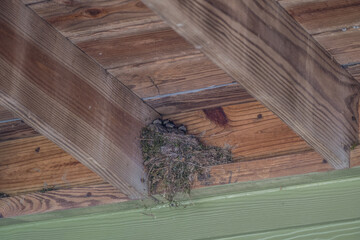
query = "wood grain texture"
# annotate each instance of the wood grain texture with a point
(13, 130)
(285, 206)
(134, 45)
(344, 46)
(83, 21)
(333, 23)
(297, 79)
(287, 165)
(76, 197)
(69, 98)
(260, 139)
(217, 96)
(325, 15)
(91, 23)
(171, 75)
(250, 129)
(273, 167)
(34, 163)
(6, 115)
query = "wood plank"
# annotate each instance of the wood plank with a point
(344, 46)
(214, 212)
(154, 60)
(297, 79)
(288, 165)
(334, 24)
(111, 21)
(137, 49)
(32, 203)
(34, 163)
(171, 75)
(324, 15)
(82, 21)
(216, 96)
(12, 130)
(267, 168)
(250, 129)
(259, 138)
(66, 96)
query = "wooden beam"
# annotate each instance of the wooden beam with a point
(290, 207)
(66, 96)
(278, 62)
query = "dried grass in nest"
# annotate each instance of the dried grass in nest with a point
(173, 159)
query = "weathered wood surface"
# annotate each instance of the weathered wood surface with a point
(218, 96)
(177, 68)
(12, 130)
(83, 22)
(287, 165)
(250, 129)
(35, 163)
(319, 17)
(61, 92)
(285, 208)
(297, 79)
(267, 168)
(154, 60)
(335, 24)
(60, 200)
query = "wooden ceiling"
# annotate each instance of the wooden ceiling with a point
(140, 50)
(172, 76)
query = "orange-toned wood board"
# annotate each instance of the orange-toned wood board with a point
(250, 129)
(69, 98)
(35, 163)
(287, 165)
(60, 199)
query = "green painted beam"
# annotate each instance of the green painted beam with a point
(312, 206)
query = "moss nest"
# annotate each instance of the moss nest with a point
(174, 159)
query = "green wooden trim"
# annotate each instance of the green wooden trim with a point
(311, 204)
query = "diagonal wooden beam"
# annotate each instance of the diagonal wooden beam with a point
(257, 43)
(69, 98)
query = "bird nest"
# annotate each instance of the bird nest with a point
(174, 159)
